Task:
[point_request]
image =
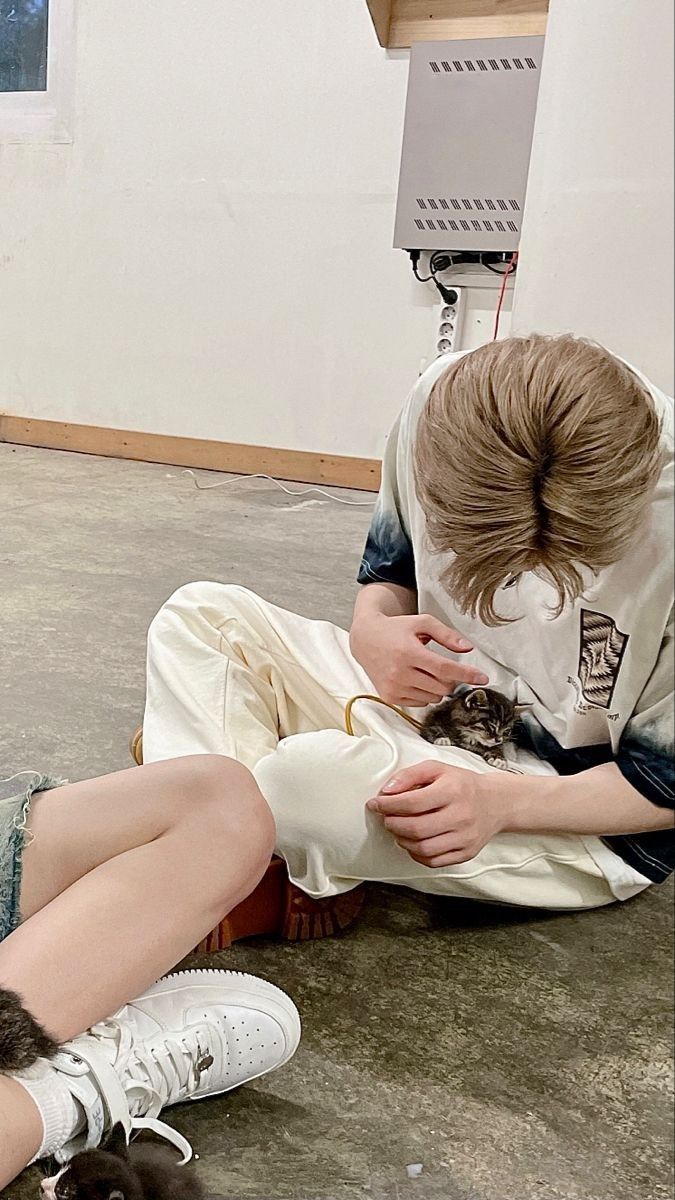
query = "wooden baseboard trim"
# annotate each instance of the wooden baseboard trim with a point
(299, 466)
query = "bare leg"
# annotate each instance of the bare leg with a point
(20, 1129)
(124, 875)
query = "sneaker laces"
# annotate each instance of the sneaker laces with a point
(166, 1072)
(149, 1076)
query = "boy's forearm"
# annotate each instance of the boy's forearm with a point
(384, 599)
(599, 801)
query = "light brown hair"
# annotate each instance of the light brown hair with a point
(534, 454)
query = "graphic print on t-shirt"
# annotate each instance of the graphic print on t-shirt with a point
(602, 648)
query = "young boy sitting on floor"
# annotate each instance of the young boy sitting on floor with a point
(522, 538)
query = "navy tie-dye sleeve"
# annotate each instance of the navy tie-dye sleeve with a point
(388, 556)
(646, 758)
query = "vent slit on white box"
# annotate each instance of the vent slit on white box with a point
(474, 65)
(475, 203)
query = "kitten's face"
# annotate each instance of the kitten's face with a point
(488, 716)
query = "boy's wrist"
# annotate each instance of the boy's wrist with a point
(530, 803)
(358, 630)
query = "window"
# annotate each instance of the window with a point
(36, 70)
(23, 45)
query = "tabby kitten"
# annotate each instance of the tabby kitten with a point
(480, 719)
(121, 1172)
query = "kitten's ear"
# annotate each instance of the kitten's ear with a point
(476, 698)
(117, 1143)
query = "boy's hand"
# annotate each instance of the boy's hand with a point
(441, 815)
(395, 654)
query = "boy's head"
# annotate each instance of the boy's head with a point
(534, 454)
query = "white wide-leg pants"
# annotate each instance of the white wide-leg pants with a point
(229, 673)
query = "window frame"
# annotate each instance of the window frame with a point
(46, 116)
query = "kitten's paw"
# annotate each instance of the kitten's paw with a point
(495, 761)
(442, 741)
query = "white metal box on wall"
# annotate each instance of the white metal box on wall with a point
(466, 143)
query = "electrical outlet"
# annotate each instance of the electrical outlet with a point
(450, 317)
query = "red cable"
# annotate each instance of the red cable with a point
(502, 291)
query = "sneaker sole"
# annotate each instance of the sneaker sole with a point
(249, 992)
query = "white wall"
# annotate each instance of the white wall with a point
(597, 246)
(211, 256)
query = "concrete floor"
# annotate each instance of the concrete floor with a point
(517, 1056)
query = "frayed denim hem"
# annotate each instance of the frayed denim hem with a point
(14, 835)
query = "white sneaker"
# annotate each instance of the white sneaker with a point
(192, 1035)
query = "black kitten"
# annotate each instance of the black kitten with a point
(22, 1039)
(481, 720)
(121, 1172)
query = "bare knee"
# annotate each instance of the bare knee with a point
(230, 811)
(231, 782)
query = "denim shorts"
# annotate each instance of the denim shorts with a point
(14, 831)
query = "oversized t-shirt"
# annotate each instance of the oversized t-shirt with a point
(599, 677)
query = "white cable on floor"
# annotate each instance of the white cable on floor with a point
(18, 774)
(206, 487)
